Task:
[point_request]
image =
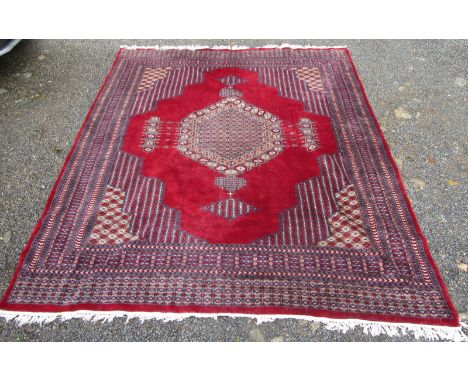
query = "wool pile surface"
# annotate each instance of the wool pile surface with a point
(220, 181)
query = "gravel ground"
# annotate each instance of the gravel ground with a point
(418, 90)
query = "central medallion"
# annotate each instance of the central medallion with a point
(230, 152)
(230, 136)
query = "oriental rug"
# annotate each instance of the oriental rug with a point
(242, 182)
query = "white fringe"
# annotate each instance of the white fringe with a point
(229, 47)
(372, 328)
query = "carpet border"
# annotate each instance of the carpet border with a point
(402, 187)
(46, 308)
(51, 196)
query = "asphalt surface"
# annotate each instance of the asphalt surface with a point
(418, 90)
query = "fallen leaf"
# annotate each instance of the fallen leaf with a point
(463, 266)
(256, 335)
(418, 183)
(431, 160)
(6, 237)
(460, 81)
(452, 182)
(402, 113)
(314, 326)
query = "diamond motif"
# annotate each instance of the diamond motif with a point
(231, 80)
(230, 208)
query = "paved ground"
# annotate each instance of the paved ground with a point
(418, 90)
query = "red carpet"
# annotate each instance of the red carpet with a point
(246, 181)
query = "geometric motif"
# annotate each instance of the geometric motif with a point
(150, 134)
(307, 128)
(230, 208)
(231, 136)
(346, 224)
(229, 91)
(112, 223)
(150, 76)
(311, 76)
(230, 183)
(231, 80)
